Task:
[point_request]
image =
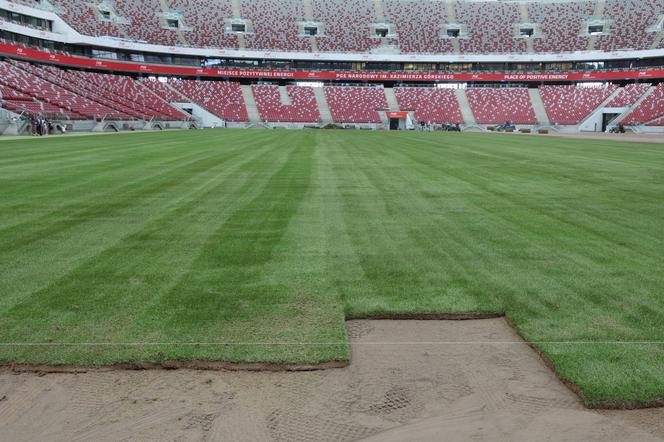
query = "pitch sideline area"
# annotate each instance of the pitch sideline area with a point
(255, 246)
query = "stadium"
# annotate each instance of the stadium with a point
(311, 220)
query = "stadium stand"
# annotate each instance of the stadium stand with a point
(206, 21)
(222, 98)
(499, 105)
(657, 122)
(71, 105)
(355, 104)
(80, 95)
(121, 93)
(561, 24)
(144, 24)
(19, 102)
(630, 20)
(275, 25)
(347, 25)
(629, 95)
(130, 93)
(430, 105)
(569, 105)
(164, 91)
(418, 27)
(83, 17)
(649, 110)
(491, 27)
(302, 109)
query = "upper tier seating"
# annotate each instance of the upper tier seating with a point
(569, 105)
(490, 25)
(144, 21)
(498, 105)
(206, 20)
(349, 104)
(431, 105)
(275, 25)
(630, 21)
(347, 25)
(651, 108)
(562, 24)
(303, 107)
(418, 35)
(222, 98)
(629, 95)
(83, 17)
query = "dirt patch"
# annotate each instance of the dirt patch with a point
(408, 380)
(629, 137)
(432, 316)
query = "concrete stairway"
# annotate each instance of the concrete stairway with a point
(525, 17)
(451, 17)
(308, 10)
(249, 100)
(236, 6)
(283, 96)
(309, 16)
(323, 108)
(380, 10)
(538, 107)
(658, 39)
(466, 112)
(597, 15)
(392, 100)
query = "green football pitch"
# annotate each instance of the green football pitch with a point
(255, 246)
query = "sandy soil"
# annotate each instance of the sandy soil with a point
(628, 137)
(408, 380)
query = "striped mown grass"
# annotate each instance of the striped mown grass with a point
(253, 246)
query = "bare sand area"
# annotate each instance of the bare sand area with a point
(408, 380)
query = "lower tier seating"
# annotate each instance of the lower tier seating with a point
(569, 105)
(302, 108)
(651, 108)
(222, 98)
(352, 104)
(629, 95)
(430, 105)
(500, 105)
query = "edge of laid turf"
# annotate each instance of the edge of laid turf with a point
(332, 364)
(598, 405)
